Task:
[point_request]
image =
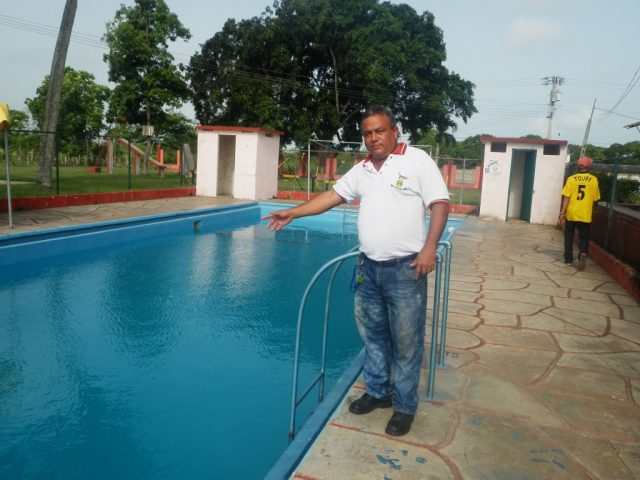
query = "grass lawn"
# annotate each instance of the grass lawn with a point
(80, 180)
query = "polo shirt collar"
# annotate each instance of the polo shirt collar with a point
(400, 149)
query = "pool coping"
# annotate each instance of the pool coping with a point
(26, 236)
(312, 427)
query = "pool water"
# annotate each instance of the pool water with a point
(167, 357)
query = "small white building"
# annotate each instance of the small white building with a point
(237, 161)
(522, 178)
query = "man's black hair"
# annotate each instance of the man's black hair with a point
(379, 110)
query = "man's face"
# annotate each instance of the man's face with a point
(379, 137)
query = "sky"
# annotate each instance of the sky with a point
(507, 48)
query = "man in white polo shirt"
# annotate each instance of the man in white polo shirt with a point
(396, 184)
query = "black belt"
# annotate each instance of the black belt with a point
(393, 261)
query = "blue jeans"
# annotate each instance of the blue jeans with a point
(391, 311)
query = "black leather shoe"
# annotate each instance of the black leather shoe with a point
(366, 403)
(399, 424)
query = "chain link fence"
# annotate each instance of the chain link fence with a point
(299, 177)
(95, 164)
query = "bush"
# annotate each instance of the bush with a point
(627, 190)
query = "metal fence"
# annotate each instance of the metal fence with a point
(93, 164)
(463, 177)
(314, 170)
(616, 222)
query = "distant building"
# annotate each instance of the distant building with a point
(522, 179)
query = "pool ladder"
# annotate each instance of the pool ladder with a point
(439, 322)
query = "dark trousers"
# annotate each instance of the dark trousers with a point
(583, 234)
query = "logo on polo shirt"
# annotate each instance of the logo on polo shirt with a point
(400, 182)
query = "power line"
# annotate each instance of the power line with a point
(504, 111)
(630, 86)
(49, 31)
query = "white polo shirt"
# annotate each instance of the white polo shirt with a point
(393, 201)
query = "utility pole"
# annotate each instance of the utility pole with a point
(586, 132)
(553, 98)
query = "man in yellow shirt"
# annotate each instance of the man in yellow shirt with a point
(580, 195)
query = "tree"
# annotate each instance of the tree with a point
(627, 154)
(24, 144)
(52, 103)
(147, 80)
(19, 119)
(596, 153)
(310, 67)
(82, 106)
(470, 147)
(140, 63)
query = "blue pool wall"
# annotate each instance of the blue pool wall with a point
(30, 246)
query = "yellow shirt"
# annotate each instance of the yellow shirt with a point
(582, 190)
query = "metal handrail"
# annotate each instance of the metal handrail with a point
(320, 377)
(445, 299)
(436, 355)
(434, 325)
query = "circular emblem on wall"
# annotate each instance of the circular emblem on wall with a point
(493, 168)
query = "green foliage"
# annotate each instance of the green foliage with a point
(623, 154)
(19, 120)
(627, 190)
(82, 106)
(470, 147)
(627, 154)
(21, 143)
(141, 66)
(177, 129)
(596, 153)
(310, 67)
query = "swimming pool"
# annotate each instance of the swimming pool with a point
(161, 347)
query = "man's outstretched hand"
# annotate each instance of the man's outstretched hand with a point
(278, 219)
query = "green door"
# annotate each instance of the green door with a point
(527, 185)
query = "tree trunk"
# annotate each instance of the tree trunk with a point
(54, 91)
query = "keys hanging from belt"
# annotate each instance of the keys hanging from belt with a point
(358, 274)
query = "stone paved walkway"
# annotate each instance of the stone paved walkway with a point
(542, 378)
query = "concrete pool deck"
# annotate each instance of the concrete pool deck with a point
(542, 375)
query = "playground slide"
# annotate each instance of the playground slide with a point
(139, 152)
(125, 143)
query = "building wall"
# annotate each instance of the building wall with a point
(241, 163)
(207, 178)
(501, 194)
(246, 157)
(495, 183)
(267, 166)
(548, 183)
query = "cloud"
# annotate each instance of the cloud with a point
(532, 32)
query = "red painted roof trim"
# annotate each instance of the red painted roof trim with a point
(535, 141)
(218, 128)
